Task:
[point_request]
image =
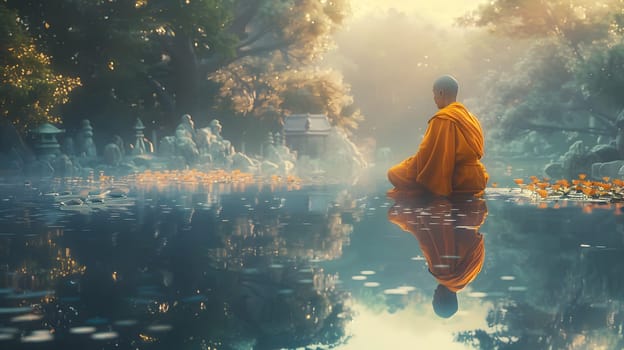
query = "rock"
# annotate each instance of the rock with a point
(112, 154)
(554, 170)
(578, 160)
(167, 146)
(63, 166)
(269, 168)
(41, 167)
(186, 148)
(610, 169)
(143, 161)
(72, 202)
(605, 153)
(118, 192)
(242, 162)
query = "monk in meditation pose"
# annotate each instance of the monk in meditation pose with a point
(448, 159)
(448, 234)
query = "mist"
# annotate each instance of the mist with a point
(391, 60)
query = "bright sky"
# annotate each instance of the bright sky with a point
(441, 11)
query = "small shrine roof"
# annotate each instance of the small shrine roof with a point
(47, 128)
(307, 124)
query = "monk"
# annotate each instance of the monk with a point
(448, 235)
(448, 159)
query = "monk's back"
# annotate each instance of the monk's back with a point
(470, 175)
(448, 158)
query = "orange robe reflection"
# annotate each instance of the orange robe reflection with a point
(448, 235)
(448, 158)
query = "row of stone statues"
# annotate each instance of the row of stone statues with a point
(188, 147)
(202, 148)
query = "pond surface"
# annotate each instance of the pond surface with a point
(316, 267)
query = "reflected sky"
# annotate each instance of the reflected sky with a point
(284, 268)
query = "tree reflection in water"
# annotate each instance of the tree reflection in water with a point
(238, 272)
(570, 264)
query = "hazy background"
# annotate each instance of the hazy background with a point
(390, 52)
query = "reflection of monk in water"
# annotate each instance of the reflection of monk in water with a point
(448, 234)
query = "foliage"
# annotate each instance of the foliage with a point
(153, 58)
(569, 75)
(30, 90)
(260, 88)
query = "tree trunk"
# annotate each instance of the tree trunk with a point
(186, 77)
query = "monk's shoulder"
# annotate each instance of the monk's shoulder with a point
(442, 119)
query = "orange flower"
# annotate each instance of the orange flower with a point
(556, 187)
(542, 193)
(534, 179)
(531, 187)
(576, 182)
(519, 181)
(543, 185)
(606, 179)
(589, 191)
(582, 176)
(563, 182)
(606, 187)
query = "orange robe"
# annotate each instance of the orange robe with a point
(448, 158)
(454, 250)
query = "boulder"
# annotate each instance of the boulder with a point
(605, 153)
(112, 154)
(610, 169)
(242, 162)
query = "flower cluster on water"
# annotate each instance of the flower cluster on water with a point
(582, 188)
(192, 177)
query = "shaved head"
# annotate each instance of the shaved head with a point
(444, 302)
(446, 84)
(445, 90)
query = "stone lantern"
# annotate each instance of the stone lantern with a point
(139, 143)
(46, 144)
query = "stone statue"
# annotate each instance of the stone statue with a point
(285, 153)
(215, 128)
(84, 141)
(269, 151)
(119, 142)
(203, 139)
(187, 124)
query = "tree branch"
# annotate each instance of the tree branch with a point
(245, 14)
(165, 97)
(262, 49)
(254, 38)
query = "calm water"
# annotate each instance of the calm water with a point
(318, 267)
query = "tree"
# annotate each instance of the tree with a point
(30, 90)
(152, 58)
(262, 88)
(559, 83)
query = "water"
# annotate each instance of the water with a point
(317, 267)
